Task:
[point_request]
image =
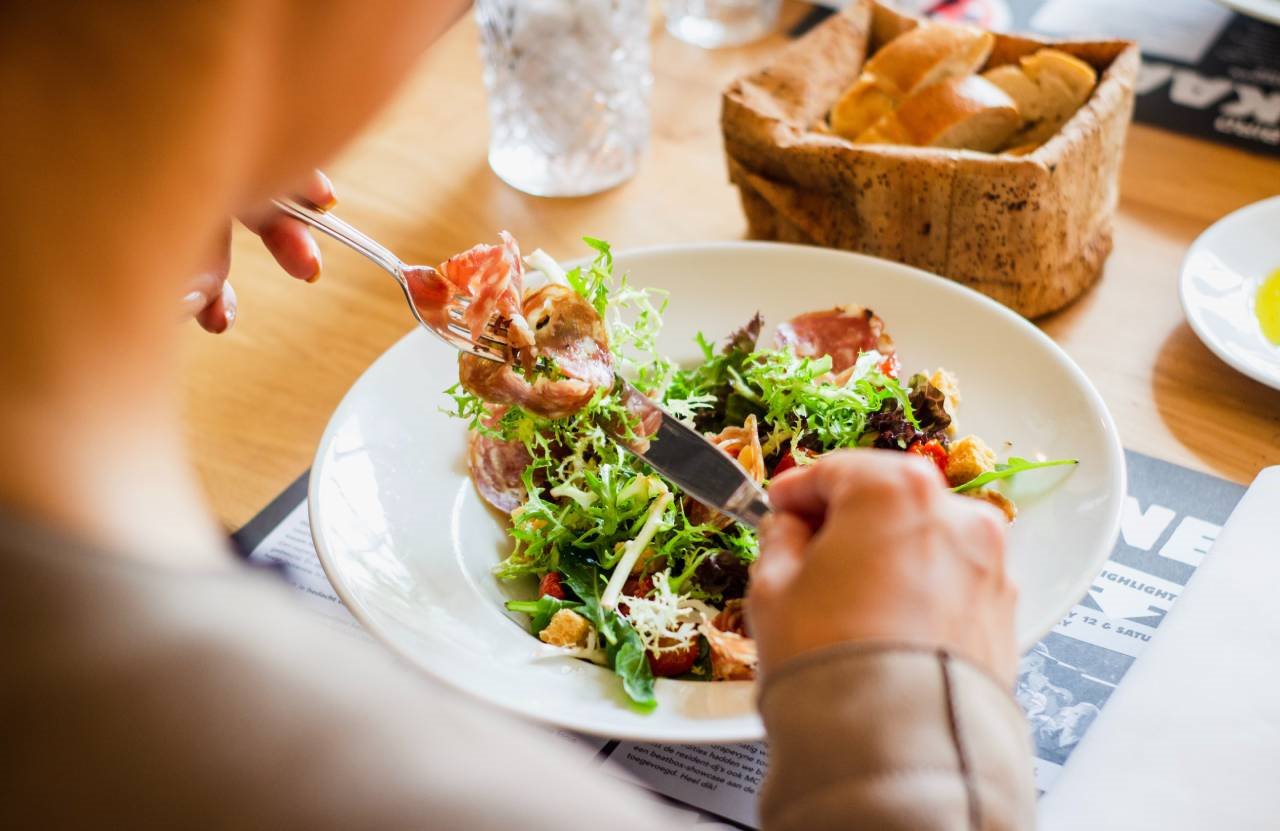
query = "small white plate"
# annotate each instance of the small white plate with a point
(1220, 279)
(1268, 10)
(409, 546)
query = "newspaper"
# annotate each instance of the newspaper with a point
(1171, 518)
(1206, 71)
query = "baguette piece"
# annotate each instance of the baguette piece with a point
(925, 55)
(968, 113)
(1048, 87)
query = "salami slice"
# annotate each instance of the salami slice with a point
(496, 467)
(843, 333)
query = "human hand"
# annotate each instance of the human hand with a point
(869, 545)
(211, 300)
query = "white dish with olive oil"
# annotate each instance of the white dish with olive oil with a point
(1227, 289)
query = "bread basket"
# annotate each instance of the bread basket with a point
(1031, 231)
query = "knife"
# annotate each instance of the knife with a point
(689, 459)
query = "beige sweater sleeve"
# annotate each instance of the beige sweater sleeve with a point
(885, 737)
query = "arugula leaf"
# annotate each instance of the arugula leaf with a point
(622, 645)
(1004, 470)
(541, 611)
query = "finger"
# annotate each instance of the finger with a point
(205, 287)
(855, 475)
(192, 304)
(988, 522)
(317, 191)
(289, 240)
(784, 538)
(291, 245)
(979, 528)
(797, 492)
(220, 314)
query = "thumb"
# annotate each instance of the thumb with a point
(784, 538)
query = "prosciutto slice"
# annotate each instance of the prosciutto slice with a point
(570, 336)
(491, 275)
(733, 651)
(843, 333)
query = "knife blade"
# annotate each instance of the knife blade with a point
(689, 459)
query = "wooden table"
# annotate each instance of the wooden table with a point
(258, 398)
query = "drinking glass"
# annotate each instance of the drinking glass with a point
(713, 23)
(568, 84)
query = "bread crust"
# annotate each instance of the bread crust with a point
(969, 112)
(1031, 231)
(921, 56)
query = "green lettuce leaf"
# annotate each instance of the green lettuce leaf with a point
(541, 611)
(623, 646)
(1004, 470)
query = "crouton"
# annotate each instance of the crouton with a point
(998, 499)
(968, 458)
(947, 384)
(567, 628)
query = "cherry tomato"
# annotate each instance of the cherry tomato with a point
(551, 586)
(677, 661)
(787, 462)
(638, 586)
(635, 587)
(932, 450)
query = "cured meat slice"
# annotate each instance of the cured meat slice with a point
(733, 652)
(491, 275)
(570, 336)
(743, 444)
(568, 332)
(499, 383)
(843, 333)
(645, 417)
(496, 469)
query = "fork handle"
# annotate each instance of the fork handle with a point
(343, 233)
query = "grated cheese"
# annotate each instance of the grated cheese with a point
(664, 616)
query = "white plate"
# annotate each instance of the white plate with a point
(1220, 279)
(409, 546)
(1268, 10)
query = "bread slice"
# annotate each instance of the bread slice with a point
(1019, 86)
(862, 105)
(1077, 75)
(925, 55)
(961, 113)
(1048, 87)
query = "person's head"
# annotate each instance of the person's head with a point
(133, 130)
(281, 84)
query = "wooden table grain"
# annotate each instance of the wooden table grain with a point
(257, 399)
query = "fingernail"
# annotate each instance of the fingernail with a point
(333, 195)
(230, 314)
(315, 253)
(193, 303)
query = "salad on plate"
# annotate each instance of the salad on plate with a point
(631, 573)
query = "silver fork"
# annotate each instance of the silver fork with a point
(491, 346)
(668, 445)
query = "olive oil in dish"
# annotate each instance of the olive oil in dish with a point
(1267, 307)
